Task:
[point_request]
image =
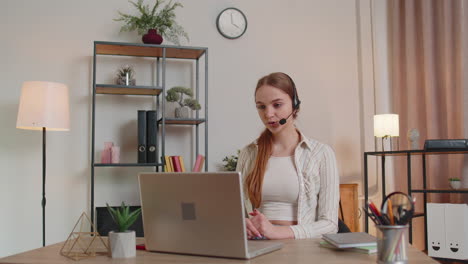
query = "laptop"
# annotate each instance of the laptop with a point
(199, 213)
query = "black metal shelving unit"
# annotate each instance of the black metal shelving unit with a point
(160, 53)
(408, 154)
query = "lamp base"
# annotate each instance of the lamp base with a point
(386, 144)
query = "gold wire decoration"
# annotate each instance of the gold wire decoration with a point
(81, 243)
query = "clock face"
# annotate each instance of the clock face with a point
(231, 23)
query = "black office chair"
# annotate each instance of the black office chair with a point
(342, 227)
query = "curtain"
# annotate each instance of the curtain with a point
(427, 84)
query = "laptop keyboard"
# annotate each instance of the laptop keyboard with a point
(257, 245)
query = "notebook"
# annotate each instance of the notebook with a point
(349, 240)
(197, 213)
(364, 250)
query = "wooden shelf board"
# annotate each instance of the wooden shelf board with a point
(180, 121)
(127, 90)
(127, 164)
(416, 152)
(418, 214)
(147, 50)
(447, 190)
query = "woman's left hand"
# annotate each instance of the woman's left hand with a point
(270, 231)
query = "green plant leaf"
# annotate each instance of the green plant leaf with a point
(123, 217)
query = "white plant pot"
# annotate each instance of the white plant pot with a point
(122, 244)
(455, 184)
(182, 112)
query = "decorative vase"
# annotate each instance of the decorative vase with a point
(455, 184)
(413, 138)
(124, 80)
(122, 244)
(182, 112)
(152, 37)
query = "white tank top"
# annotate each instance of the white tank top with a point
(280, 190)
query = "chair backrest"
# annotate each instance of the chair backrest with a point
(349, 211)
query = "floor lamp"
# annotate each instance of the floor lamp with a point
(43, 106)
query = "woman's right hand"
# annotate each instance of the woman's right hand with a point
(251, 230)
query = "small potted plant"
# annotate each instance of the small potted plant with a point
(154, 24)
(125, 76)
(176, 94)
(122, 242)
(455, 183)
(230, 162)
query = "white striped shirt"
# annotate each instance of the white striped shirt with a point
(319, 192)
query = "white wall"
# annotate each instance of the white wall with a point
(316, 42)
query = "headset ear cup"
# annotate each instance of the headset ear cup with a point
(296, 101)
(297, 104)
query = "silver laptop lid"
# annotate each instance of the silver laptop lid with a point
(194, 213)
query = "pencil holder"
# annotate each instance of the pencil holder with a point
(392, 244)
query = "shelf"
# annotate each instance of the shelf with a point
(147, 50)
(418, 214)
(127, 164)
(182, 121)
(416, 152)
(127, 89)
(441, 191)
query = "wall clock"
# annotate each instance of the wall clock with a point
(231, 23)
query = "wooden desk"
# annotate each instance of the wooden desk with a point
(294, 251)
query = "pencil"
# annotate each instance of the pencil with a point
(390, 211)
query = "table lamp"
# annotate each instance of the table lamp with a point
(43, 106)
(386, 126)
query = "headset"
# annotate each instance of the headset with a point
(296, 102)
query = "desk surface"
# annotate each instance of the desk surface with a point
(294, 251)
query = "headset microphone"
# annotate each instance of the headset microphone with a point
(284, 120)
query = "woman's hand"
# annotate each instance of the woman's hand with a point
(267, 229)
(252, 231)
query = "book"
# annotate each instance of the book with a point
(364, 250)
(182, 165)
(176, 163)
(349, 240)
(151, 136)
(168, 161)
(141, 136)
(198, 163)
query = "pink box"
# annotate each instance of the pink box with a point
(115, 155)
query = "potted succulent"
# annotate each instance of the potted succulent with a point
(176, 94)
(455, 183)
(122, 242)
(154, 24)
(125, 76)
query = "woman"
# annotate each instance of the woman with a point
(291, 183)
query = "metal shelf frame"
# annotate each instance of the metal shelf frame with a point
(160, 53)
(408, 154)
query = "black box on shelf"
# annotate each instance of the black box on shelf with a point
(445, 144)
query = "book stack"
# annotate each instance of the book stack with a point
(174, 164)
(358, 242)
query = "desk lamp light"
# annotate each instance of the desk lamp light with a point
(386, 126)
(43, 106)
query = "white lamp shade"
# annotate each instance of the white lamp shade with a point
(386, 125)
(44, 104)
